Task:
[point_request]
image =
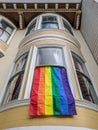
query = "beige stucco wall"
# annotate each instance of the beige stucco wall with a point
(7, 60)
(20, 117)
(90, 62)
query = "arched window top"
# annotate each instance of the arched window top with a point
(49, 21)
(7, 29)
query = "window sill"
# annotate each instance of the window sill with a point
(25, 102)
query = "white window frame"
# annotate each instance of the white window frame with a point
(30, 25)
(10, 76)
(33, 65)
(15, 28)
(80, 92)
(68, 25)
(50, 14)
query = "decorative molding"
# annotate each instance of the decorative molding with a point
(36, 9)
(35, 6)
(25, 6)
(21, 20)
(66, 6)
(50, 36)
(56, 6)
(4, 6)
(77, 6)
(15, 6)
(40, 1)
(26, 102)
(49, 128)
(46, 6)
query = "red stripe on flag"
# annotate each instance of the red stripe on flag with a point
(34, 94)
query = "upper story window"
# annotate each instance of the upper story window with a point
(31, 28)
(86, 86)
(15, 81)
(67, 27)
(6, 30)
(49, 22)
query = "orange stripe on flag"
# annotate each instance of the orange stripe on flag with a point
(41, 93)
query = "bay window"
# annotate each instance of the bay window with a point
(86, 86)
(51, 93)
(15, 81)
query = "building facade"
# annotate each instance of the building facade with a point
(48, 76)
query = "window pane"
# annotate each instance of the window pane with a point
(20, 64)
(31, 28)
(6, 26)
(50, 56)
(85, 87)
(14, 88)
(5, 36)
(5, 30)
(67, 27)
(49, 22)
(50, 25)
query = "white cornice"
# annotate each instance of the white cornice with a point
(26, 102)
(39, 1)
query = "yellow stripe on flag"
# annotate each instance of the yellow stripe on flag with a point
(48, 92)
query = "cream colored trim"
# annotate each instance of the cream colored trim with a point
(30, 77)
(69, 72)
(4, 6)
(38, 1)
(2, 51)
(35, 6)
(25, 6)
(26, 102)
(15, 6)
(50, 36)
(46, 6)
(24, 77)
(70, 50)
(2, 94)
(49, 128)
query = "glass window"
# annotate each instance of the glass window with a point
(50, 82)
(14, 84)
(5, 30)
(85, 82)
(31, 28)
(49, 22)
(67, 27)
(50, 56)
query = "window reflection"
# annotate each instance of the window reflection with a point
(5, 30)
(49, 22)
(67, 27)
(50, 56)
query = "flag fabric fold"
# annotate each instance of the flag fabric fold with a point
(51, 93)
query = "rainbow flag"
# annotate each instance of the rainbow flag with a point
(51, 93)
